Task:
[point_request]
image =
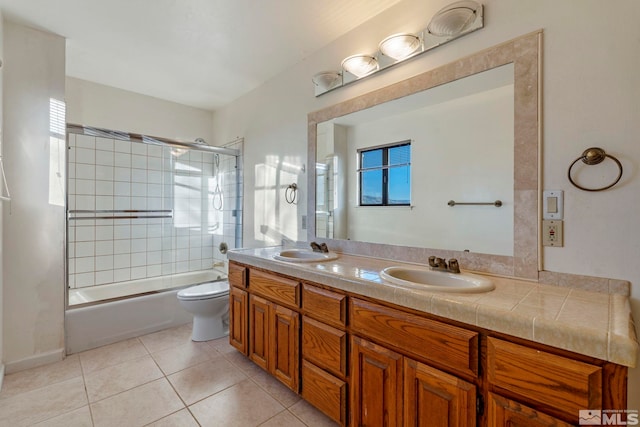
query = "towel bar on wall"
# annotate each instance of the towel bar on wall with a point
(497, 203)
(132, 214)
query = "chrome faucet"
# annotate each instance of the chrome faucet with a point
(440, 264)
(319, 247)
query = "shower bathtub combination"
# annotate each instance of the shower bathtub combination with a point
(146, 217)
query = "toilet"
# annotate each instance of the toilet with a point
(209, 304)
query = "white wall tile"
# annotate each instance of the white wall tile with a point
(104, 277)
(122, 275)
(122, 174)
(104, 247)
(122, 160)
(85, 265)
(122, 146)
(138, 162)
(85, 279)
(104, 173)
(138, 272)
(139, 175)
(121, 261)
(104, 232)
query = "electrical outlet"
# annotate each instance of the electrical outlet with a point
(552, 233)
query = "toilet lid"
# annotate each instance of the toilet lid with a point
(205, 290)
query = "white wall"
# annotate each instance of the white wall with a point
(1, 185)
(591, 97)
(33, 223)
(93, 104)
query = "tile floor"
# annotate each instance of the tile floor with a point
(160, 379)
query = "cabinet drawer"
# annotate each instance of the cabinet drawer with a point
(548, 379)
(237, 275)
(325, 392)
(324, 346)
(445, 345)
(328, 306)
(275, 288)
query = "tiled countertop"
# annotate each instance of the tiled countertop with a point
(589, 323)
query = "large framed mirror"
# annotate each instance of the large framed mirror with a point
(394, 168)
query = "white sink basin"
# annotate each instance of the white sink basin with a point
(422, 278)
(304, 255)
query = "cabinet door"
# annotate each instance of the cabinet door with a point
(376, 385)
(259, 331)
(284, 345)
(503, 412)
(238, 320)
(436, 399)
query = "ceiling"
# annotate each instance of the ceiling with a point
(202, 53)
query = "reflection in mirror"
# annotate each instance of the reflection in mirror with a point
(473, 128)
(462, 131)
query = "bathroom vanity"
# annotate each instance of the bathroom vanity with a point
(368, 352)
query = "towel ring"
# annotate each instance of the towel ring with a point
(290, 193)
(593, 156)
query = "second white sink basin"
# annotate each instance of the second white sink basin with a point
(304, 255)
(441, 281)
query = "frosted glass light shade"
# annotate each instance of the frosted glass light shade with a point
(399, 46)
(360, 65)
(453, 19)
(326, 80)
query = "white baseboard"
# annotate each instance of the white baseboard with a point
(1, 375)
(35, 361)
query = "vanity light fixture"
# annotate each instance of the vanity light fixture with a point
(360, 65)
(449, 23)
(326, 80)
(453, 19)
(399, 46)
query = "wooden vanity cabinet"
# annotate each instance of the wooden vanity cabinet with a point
(364, 362)
(324, 351)
(274, 328)
(238, 308)
(392, 388)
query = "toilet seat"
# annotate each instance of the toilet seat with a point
(205, 291)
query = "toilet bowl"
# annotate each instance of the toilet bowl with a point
(209, 304)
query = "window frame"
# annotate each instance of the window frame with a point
(385, 172)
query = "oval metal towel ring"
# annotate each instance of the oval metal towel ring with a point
(593, 156)
(290, 193)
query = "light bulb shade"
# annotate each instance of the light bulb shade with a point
(326, 80)
(453, 19)
(360, 65)
(399, 46)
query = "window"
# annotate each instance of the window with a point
(385, 175)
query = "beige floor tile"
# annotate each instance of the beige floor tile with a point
(205, 379)
(184, 356)
(112, 354)
(310, 415)
(137, 407)
(78, 418)
(284, 419)
(244, 363)
(181, 418)
(21, 382)
(122, 377)
(43, 403)
(222, 345)
(243, 405)
(275, 388)
(167, 338)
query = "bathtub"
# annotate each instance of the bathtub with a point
(152, 307)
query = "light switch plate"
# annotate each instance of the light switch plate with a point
(553, 204)
(552, 233)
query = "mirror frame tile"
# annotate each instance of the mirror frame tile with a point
(524, 52)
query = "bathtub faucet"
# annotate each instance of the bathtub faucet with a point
(440, 264)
